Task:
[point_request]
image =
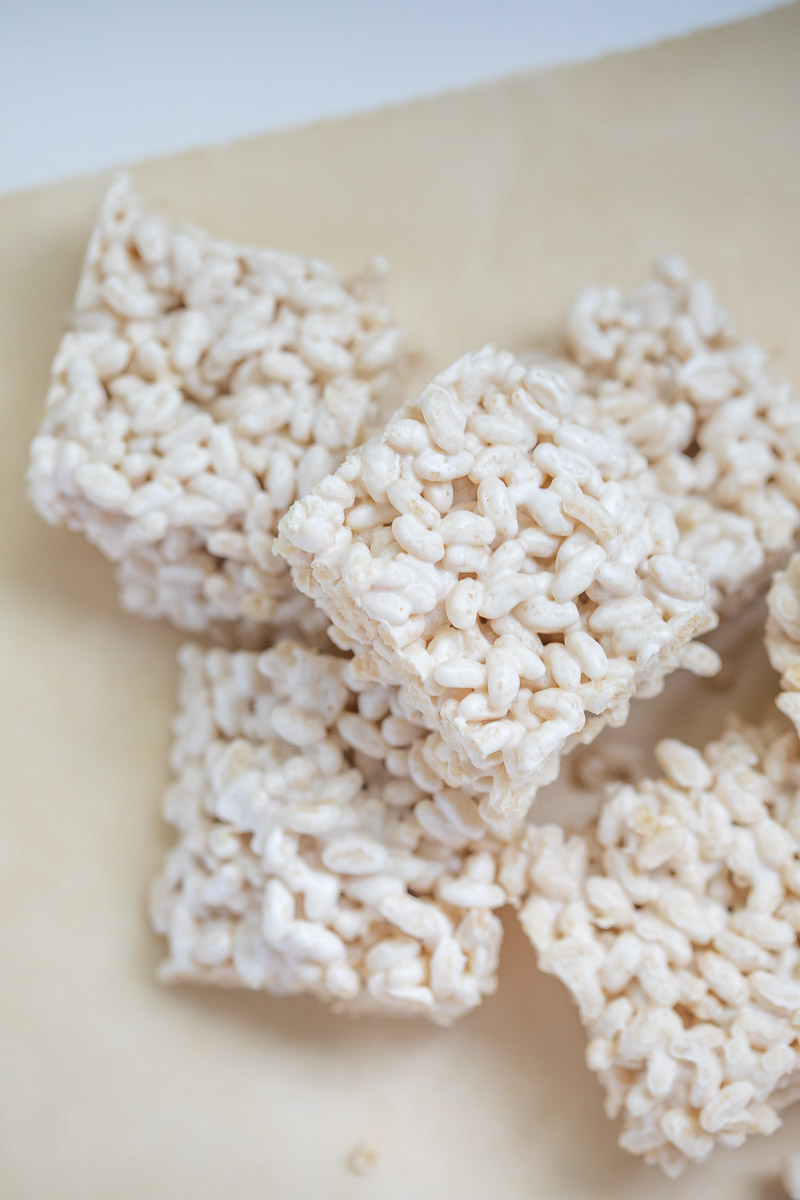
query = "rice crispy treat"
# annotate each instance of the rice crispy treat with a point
(501, 564)
(783, 637)
(315, 852)
(674, 922)
(201, 388)
(663, 366)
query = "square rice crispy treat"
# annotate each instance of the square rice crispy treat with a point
(674, 922)
(663, 367)
(501, 563)
(316, 851)
(202, 387)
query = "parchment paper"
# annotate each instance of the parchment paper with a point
(492, 206)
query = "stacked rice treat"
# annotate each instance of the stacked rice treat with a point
(411, 631)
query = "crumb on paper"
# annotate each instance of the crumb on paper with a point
(363, 1159)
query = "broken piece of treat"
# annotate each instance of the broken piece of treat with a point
(663, 366)
(782, 637)
(500, 563)
(674, 924)
(202, 387)
(316, 851)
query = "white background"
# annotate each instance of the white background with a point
(86, 84)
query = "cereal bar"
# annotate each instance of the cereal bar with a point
(663, 367)
(501, 564)
(201, 388)
(316, 853)
(674, 922)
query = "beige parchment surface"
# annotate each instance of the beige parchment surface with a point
(492, 206)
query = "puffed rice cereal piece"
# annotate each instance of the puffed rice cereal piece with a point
(201, 388)
(503, 565)
(790, 1176)
(674, 922)
(782, 637)
(663, 366)
(315, 851)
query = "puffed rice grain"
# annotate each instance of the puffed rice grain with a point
(782, 636)
(790, 1176)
